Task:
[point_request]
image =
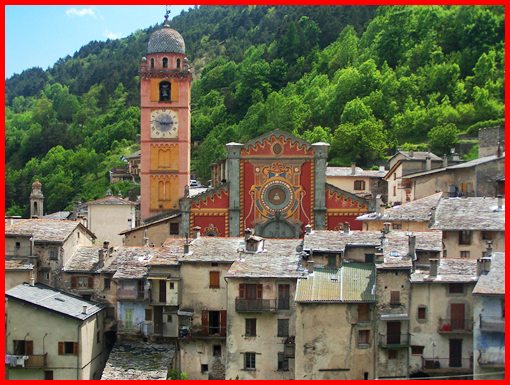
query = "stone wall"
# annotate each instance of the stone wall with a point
(488, 140)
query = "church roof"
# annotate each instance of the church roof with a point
(166, 40)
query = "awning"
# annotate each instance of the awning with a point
(185, 313)
(394, 317)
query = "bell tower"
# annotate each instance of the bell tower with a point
(165, 84)
(36, 200)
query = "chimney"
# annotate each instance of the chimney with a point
(411, 154)
(379, 258)
(353, 168)
(308, 229)
(412, 246)
(379, 208)
(196, 232)
(386, 228)
(479, 267)
(382, 168)
(310, 266)
(500, 202)
(106, 245)
(186, 248)
(428, 163)
(101, 258)
(248, 233)
(32, 279)
(445, 161)
(84, 311)
(346, 227)
(486, 264)
(434, 262)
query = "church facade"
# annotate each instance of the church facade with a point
(275, 185)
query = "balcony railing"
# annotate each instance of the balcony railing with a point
(492, 358)
(201, 332)
(445, 363)
(255, 305)
(394, 341)
(492, 324)
(34, 361)
(133, 294)
(456, 325)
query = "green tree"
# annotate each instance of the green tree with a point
(442, 138)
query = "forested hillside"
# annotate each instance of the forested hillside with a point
(365, 80)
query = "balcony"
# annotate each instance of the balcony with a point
(491, 358)
(446, 365)
(492, 324)
(255, 305)
(202, 332)
(459, 325)
(34, 361)
(130, 294)
(394, 341)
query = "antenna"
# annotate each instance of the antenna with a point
(167, 12)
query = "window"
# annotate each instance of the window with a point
(18, 245)
(396, 226)
(363, 312)
(68, 348)
(164, 91)
(46, 275)
(487, 235)
(464, 254)
(369, 258)
(283, 327)
(148, 314)
(359, 185)
(331, 260)
(283, 362)
(214, 279)
(82, 282)
(363, 338)
(392, 354)
(23, 347)
(455, 288)
(172, 285)
(106, 283)
(152, 63)
(174, 229)
(422, 312)
(204, 368)
(98, 337)
(250, 327)
(395, 298)
(283, 296)
(394, 191)
(178, 63)
(165, 62)
(416, 349)
(464, 237)
(48, 374)
(249, 361)
(216, 350)
(250, 291)
(53, 254)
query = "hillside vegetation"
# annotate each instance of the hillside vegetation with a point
(364, 79)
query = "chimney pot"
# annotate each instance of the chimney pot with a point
(412, 245)
(386, 228)
(32, 281)
(248, 233)
(308, 229)
(196, 232)
(428, 163)
(479, 267)
(434, 262)
(84, 311)
(101, 257)
(445, 161)
(486, 264)
(106, 244)
(353, 168)
(186, 248)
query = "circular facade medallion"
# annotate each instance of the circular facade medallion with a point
(277, 148)
(277, 196)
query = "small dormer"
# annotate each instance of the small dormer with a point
(252, 243)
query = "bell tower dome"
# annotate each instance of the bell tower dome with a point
(165, 83)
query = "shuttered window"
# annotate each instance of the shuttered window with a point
(214, 279)
(250, 327)
(395, 298)
(68, 348)
(250, 291)
(283, 328)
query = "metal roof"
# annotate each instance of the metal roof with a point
(48, 298)
(353, 282)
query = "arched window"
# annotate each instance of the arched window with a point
(359, 185)
(178, 63)
(35, 207)
(152, 63)
(164, 91)
(165, 62)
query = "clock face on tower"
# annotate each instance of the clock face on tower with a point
(164, 124)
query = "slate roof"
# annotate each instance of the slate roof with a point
(213, 249)
(18, 264)
(278, 260)
(58, 215)
(469, 214)
(493, 282)
(130, 262)
(45, 230)
(153, 222)
(353, 282)
(48, 298)
(111, 200)
(418, 155)
(347, 171)
(416, 211)
(166, 40)
(448, 271)
(84, 259)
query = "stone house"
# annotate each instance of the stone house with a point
(17, 271)
(470, 226)
(335, 324)
(261, 311)
(110, 215)
(364, 183)
(47, 243)
(154, 232)
(410, 216)
(204, 263)
(441, 322)
(52, 335)
(402, 164)
(476, 178)
(489, 319)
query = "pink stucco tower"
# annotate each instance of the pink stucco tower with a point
(165, 83)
